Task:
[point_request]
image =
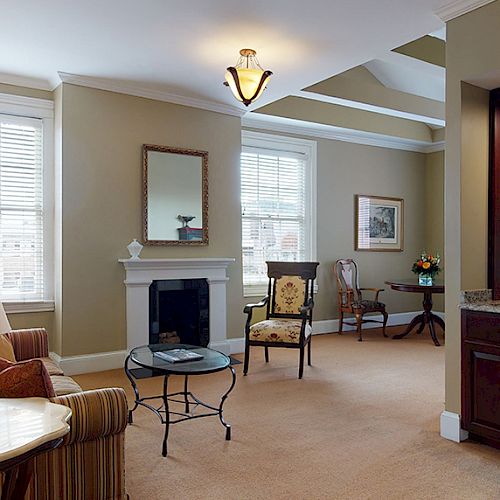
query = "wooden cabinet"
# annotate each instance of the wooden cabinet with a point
(494, 196)
(481, 375)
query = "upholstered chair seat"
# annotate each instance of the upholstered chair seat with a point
(368, 305)
(279, 330)
(51, 366)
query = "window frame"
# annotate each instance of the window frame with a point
(279, 144)
(42, 109)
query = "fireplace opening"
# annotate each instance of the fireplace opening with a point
(179, 312)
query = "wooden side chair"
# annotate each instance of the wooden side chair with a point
(289, 305)
(350, 297)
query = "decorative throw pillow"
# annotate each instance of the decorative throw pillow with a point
(27, 379)
(6, 349)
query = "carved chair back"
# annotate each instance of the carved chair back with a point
(346, 273)
(290, 287)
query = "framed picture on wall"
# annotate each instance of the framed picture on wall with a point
(378, 223)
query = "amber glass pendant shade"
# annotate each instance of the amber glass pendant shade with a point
(247, 80)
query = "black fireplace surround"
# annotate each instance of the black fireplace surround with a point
(179, 312)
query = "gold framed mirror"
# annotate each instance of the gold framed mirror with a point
(175, 196)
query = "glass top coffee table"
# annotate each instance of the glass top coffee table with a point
(212, 362)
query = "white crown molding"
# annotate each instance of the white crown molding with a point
(26, 106)
(26, 81)
(435, 146)
(310, 129)
(157, 95)
(459, 8)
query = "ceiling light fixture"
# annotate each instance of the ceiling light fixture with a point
(246, 79)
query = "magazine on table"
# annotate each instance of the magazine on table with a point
(178, 355)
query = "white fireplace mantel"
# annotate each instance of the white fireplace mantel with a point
(140, 273)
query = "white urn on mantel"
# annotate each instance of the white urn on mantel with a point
(134, 249)
(140, 273)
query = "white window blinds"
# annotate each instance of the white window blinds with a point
(21, 209)
(273, 198)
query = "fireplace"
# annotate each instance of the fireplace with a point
(179, 312)
(140, 275)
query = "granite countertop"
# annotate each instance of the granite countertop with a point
(492, 306)
(479, 300)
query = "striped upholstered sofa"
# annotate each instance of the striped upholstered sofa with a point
(90, 464)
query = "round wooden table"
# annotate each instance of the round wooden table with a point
(28, 427)
(427, 317)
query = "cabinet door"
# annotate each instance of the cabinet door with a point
(481, 385)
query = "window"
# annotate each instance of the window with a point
(277, 199)
(25, 204)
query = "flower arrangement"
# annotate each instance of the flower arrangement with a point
(427, 265)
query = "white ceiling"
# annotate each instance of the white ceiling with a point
(409, 75)
(184, 47)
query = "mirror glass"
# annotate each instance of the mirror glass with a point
(175, 196)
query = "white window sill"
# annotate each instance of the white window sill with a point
(29, 306)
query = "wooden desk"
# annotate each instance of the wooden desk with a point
(29, 426)
(427, 317)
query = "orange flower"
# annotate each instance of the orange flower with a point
(426, 265)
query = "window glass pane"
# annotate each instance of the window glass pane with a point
(273, 210)
(21, 209)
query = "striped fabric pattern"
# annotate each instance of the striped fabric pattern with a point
(96, 414)
(52, 367)
(90, 464)
(30, 343)
(64, 385)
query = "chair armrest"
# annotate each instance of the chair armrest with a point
(376, 290)
(248, 308)
(29, 343)
(96, 414)
(306, 308)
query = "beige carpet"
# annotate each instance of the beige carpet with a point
(363, 423)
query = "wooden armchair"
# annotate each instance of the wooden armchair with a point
(289, 304)
(350, 297)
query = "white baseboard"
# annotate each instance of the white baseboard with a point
(101, 361)
(89, 363)
(450, 427)
(332, 325)
(236, 346)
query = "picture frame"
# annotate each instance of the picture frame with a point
(378, 223)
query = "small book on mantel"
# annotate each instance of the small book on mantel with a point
(178, 355)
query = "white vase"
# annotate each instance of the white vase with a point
(134, 249)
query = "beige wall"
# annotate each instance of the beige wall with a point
(309, 110)
(344, 170)
(101, 205)
(472, 53)
(434, 213)
(98, 210)
(474, 190)
(33, 320)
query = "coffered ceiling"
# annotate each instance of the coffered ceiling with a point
(180, 49)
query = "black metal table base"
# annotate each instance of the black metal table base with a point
(185, 397)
